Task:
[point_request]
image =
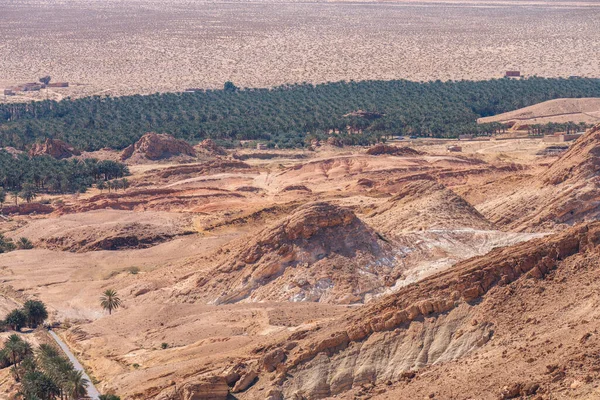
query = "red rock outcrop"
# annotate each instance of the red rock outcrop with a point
(55, 148)
(156, 146)
(27, 209)
(208, 146)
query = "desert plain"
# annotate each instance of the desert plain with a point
(118, 48)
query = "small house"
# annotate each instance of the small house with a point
(9, 92)
(513, 74)
(261, 146)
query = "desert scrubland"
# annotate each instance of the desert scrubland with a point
(121, 48)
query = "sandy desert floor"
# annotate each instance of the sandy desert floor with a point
(116, 48)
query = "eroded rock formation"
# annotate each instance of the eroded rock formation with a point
(156, 146)
(55, 148)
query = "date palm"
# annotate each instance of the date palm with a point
(77, 385)
(16, 349)
(110, 300)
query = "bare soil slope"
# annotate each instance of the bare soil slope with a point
(564, 194)
(559, 110)
(321, 252)
(105, 230)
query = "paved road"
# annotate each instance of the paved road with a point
(91, 389)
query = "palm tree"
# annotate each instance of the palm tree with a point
(110, 300)
(124, 184)
(28, 193)
(77, 384)
(101, 186)
(15, 195)
(17, 349)
(24, 244)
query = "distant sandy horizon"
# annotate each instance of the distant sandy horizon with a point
(146, 46)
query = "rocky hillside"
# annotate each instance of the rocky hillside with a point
(471, 312)
(566, 193)
(321, 252)
(581, 162)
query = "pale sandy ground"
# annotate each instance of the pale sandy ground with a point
(558, 110)
(116, 48)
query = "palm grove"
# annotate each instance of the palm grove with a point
(284, 115)
(25, 177)
(43, 373)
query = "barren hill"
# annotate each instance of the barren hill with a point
(433, 337)
(105, 230)
(321, 252)
(330, 274)
(566, 193)
(559, 110)
(426, 204)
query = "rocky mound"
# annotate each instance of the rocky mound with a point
(208, 146)
(460, 327)
(321, 252)
(381, 149)
(55, 148)
(426, 205)
(157, 146)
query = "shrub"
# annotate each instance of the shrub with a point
(133, 270)
(24, 244)
(109, 397)
(164, 345)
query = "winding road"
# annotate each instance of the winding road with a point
(91, 389)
